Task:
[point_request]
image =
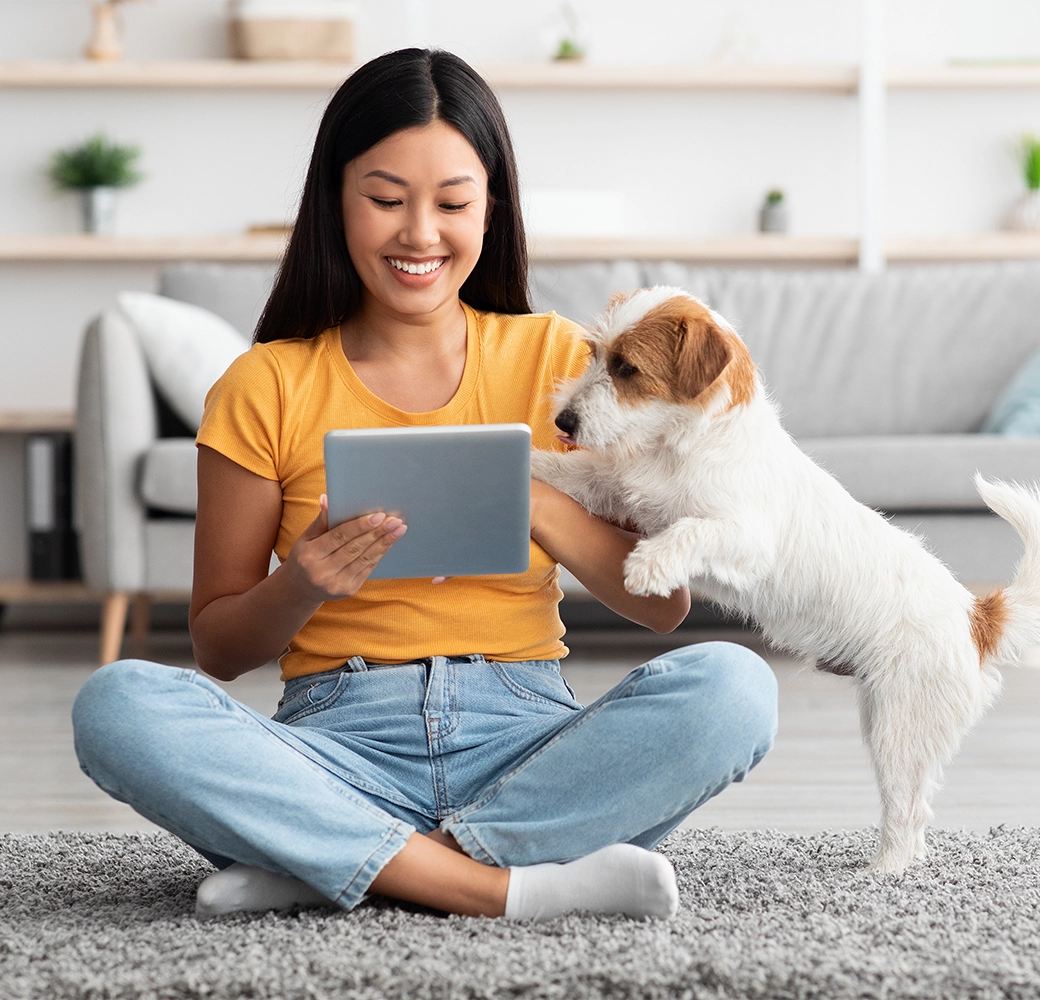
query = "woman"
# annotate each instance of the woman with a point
(426, 747)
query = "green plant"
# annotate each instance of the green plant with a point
(1031, 161)
(774, 197)
(98, 162)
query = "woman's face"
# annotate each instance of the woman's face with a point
(414, 213)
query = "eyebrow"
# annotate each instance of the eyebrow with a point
(394, 179)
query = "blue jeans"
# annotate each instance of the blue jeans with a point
(356, 760)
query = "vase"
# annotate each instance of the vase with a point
(104, 44)
(99, 210)
(1025, 213)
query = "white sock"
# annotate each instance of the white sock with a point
(241, 887)
(621, 878)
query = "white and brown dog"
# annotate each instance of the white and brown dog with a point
(677, 437)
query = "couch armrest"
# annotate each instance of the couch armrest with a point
(115, 424)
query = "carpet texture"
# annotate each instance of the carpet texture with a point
(764, 915)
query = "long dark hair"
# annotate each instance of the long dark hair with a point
(317, 286)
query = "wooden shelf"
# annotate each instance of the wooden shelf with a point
(750, 249)
(81, 247)
(965, 76)
(68, 592)
(47, 592)
(735, 248)
(245, 74)
(36, 421)
(231, 73)
(982, 246)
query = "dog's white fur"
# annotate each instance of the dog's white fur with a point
(729, 504)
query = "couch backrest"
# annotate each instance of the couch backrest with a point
(922, 349)
(913, 350)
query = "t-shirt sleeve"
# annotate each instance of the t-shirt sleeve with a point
(243, 415)
(569, 352)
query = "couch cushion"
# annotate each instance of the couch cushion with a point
(168, 476)
(235, 292)
(187, 348)
(1017, 410)
(924, 472)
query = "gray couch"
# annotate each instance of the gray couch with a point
(884, 379)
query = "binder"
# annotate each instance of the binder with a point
(53, 545)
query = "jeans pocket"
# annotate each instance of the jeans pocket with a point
(305, 695)
(536, 680)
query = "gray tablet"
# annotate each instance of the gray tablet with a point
(464, 492)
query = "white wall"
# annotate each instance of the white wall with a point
(684, 164)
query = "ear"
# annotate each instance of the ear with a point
(618, 297)
(701, 355)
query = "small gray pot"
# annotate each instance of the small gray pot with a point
(772, 218)
(99, 210)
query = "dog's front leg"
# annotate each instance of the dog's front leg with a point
(575, 474)
(691, 547)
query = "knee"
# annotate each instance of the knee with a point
(114, 705)
(734, 687)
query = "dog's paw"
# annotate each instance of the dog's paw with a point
(647, 575)
(545, 465)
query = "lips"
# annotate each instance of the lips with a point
(566, 439)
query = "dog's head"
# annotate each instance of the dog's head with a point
(657, 355)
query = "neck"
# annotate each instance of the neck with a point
(375, 332)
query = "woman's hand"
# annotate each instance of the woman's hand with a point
(328, 565)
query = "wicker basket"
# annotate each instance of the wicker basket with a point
(284, 38)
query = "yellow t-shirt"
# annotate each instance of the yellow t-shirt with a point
(269, 413)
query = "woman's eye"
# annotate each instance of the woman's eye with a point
(386, 204)
(456, 208)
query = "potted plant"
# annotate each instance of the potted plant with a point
(1025, 213)
(772, 216)
(569, 47)
(96, 169)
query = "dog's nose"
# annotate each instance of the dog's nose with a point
(567, 421)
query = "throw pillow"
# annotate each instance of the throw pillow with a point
(1017, 410)
(187, 348)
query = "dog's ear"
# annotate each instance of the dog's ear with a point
(618, 297)
(701, 355)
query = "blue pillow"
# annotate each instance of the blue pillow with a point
(1017, 410)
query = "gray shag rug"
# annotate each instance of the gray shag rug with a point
(764, 915)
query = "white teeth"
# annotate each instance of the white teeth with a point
(426, 268)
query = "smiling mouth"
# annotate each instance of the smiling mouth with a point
(413, 267)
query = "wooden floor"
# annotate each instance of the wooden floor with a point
(817, 776)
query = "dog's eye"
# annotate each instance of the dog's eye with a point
(621, 368)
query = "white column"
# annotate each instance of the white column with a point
(417, 23)
(872, 137)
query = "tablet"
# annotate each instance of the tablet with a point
(464, 492)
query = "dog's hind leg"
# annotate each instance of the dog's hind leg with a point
(911, 726)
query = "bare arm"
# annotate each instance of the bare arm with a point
(241, 617)
(595, 552)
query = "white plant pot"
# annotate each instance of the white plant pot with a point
(99, 210)
(1025, 213)
(772, 218)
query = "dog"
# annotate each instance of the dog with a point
(677, 438)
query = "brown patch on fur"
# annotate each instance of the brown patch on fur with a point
(677, 352)
(618, 297)
(835, 667)
(987, 617)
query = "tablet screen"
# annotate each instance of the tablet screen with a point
(464, 491)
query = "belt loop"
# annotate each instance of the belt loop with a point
(356, 664)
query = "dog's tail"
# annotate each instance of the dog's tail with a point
(1006, 622)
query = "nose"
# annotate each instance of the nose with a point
(420, 230)
(567, 421)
